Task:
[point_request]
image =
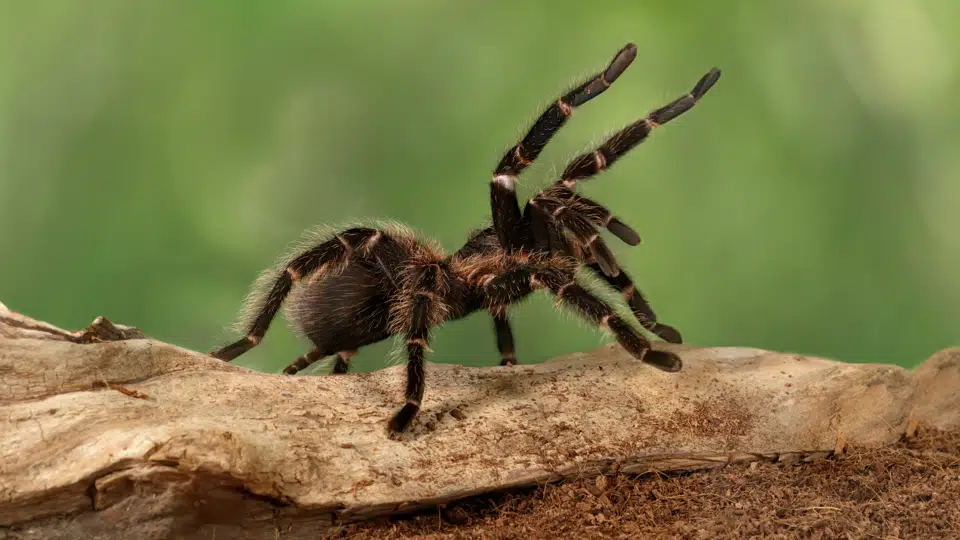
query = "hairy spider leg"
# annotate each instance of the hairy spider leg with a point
(503, 198)
(501, 325)
(548, 234)
(513, 285)
(420, 308)
(616, 146)
(639, 305)
(582, 229)
(601, 217)
(590, 164)
(341, 363)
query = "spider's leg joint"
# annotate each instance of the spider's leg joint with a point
(599, 160)
(518, 152)
(506, 181)
(419, 341)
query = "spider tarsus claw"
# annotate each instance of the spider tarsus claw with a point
(663, 360)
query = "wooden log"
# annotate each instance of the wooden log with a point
(107, 434)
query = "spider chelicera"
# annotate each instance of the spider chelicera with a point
(361, 285)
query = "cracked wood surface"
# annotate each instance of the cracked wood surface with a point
(106, 434)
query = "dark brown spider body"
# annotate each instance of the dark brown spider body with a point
(364, 284)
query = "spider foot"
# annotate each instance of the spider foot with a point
(663, 360)
(667, 333)
(401, 420)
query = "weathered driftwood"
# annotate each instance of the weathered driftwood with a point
(104, 434)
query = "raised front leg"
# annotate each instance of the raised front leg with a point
(506, 210)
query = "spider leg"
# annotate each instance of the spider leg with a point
(417, 338)
(304, 361)
(419, 307)
(582, 229)
(503, 198)
(508, 287)
(600, 216)
(341, 364)
(569, 292)
(508, 355)
(590, 164)
(639, 305)
(554, 242)
(335, 251)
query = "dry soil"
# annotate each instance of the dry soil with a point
(909, 490)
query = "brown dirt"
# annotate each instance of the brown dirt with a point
(909, 490)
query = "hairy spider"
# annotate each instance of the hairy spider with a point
(364, 284)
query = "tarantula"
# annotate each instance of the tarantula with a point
(364, 284)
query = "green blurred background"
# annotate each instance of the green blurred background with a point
(155, 156)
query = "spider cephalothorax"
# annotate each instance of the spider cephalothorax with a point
(361, 285)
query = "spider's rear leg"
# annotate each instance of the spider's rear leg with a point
(341, 361)
(333, 252)
(332, 256)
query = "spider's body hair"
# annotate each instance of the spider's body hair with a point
(350, 286)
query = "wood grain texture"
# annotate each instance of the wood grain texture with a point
(106, 434)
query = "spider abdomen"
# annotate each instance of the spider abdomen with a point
(343, 311)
